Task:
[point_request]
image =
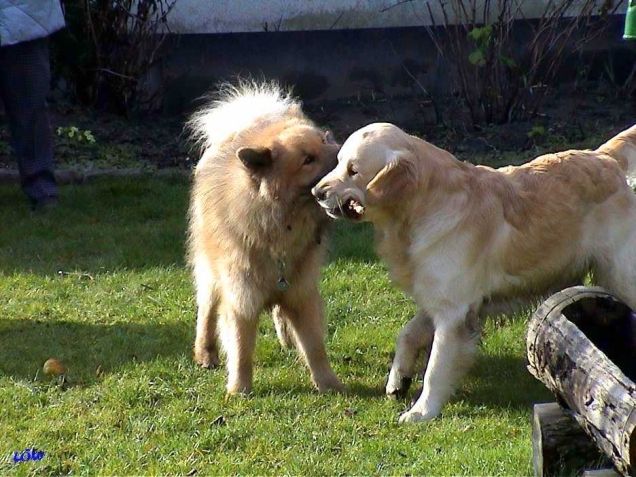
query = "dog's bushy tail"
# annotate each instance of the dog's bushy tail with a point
(623, 148)
(236, 108)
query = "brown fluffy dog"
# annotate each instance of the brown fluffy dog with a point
(255, 231)
(461, 239)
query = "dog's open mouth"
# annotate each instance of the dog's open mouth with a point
(352, 209)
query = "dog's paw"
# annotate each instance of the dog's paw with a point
(238, 388)
(397, 385)
(207, 359)
(416, 416)
(330, 384)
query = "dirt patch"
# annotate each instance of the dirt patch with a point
(573, 120)
(153, 142)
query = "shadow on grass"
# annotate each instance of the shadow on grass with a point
(279, 388)
(366, 391)
(87, 350)
(114, 224)
(504, 382)
(107, 225)
(498, 382)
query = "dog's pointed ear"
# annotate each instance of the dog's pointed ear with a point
(329, 138)
(255, 158)
(394, 181)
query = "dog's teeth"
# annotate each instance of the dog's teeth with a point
(355, 206)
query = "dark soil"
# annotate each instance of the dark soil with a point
(154, 141)
(574, 120)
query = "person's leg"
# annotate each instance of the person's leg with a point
(24, 83)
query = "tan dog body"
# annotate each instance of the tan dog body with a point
(467, 240)
(255, 232)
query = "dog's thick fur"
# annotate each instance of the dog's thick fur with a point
(255, 229)
(464, 239)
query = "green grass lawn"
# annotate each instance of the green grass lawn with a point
(100, 283)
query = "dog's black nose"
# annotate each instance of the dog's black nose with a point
(319, 193)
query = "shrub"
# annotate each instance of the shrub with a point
(498, 80)
(107, 48)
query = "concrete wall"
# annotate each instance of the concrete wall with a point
(331, 65)
(320, 65)
(323, 63)
(232, 16)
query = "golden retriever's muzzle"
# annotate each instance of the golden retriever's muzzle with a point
(335, 206)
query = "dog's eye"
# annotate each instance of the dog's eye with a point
(351, 170)
(309, 159)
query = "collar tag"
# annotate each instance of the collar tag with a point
(282, 284)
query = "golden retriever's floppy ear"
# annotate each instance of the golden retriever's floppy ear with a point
(255, 158)
(394, 180)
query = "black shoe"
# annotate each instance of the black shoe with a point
(44, 204)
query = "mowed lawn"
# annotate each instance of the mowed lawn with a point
(100, 283)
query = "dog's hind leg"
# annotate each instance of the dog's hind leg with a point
(206, 352)
(282, 326)
(303, 310)
(453, 351)
(414, 340)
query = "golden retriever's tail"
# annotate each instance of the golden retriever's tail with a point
(623, 148)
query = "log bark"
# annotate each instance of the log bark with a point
(600, 473)
(601, 396)
(560, 446)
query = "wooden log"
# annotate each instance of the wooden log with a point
(600, 473)
(601, 396)
(560, 446)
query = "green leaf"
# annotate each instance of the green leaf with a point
(509, 62)
(536, 131)
(477, 58)
(481, 35)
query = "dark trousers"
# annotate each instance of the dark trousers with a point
(25, 76)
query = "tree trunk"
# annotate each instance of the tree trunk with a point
(581, 344)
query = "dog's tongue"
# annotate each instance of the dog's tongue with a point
(354, 209)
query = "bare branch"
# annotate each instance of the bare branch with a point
(401, 2)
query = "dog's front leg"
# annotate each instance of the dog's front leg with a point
(303, 310)
(415, 338)
(238, 338)
(454, 346)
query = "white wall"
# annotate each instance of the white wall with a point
(226, 16)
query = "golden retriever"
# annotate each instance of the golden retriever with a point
(462, 239)
(255, 231)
